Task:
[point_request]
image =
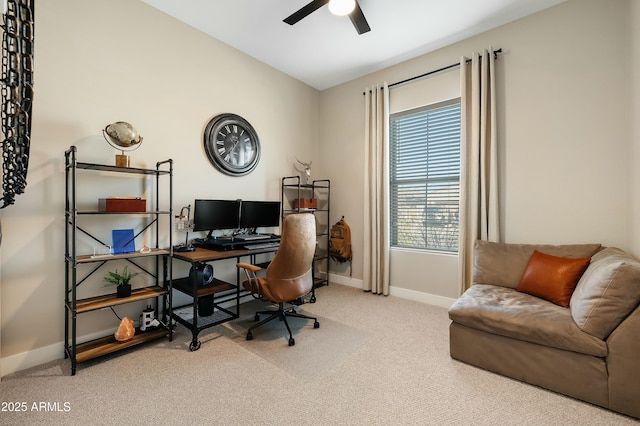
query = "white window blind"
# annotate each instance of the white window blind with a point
(425, 177)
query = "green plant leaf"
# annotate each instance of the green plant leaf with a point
(115, 278)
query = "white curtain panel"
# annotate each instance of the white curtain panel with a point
(479, 213)
(376, 196)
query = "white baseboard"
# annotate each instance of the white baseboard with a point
(342, 280)
(39, 356)
(430, 299)
(31, 358)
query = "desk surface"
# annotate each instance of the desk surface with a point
(206, 255)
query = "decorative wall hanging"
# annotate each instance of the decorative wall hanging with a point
(306, 173)
(231, 144)
(17, 96)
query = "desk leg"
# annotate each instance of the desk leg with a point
(195, 343)
(238, 259)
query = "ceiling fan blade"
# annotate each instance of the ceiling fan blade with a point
(305, 11)
(359, 21)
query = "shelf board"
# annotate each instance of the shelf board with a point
(305, 186)
(108, 344)
(319, 282)
(99, 302)
(291, 211)
(87, 258)
(321, 253)
(118, 169)
(184, 315)
(92, 212)
(185, 286)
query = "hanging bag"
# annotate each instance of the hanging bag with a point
(340, 242)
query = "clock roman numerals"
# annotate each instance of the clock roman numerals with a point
(232, 144)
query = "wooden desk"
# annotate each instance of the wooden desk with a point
(206, 255)
(220, 291)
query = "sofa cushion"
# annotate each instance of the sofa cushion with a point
(503, 264)
(506, 312)
(552, 278)
(607, 292)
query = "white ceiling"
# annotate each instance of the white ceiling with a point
(324, 50)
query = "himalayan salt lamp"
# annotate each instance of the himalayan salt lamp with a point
(125, 330)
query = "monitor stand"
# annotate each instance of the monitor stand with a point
(184, 247)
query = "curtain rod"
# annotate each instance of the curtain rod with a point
(495, 55)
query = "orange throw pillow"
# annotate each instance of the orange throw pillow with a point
(551, 277)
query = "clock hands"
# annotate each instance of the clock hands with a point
(235, 141)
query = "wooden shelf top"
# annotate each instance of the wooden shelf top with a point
(118, 169)
(86, 212)
(108, 344)
(87, 258)
(99, 302)
(206, 255)
(186, 286)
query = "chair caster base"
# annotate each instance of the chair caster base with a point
(291, 341)
(249, 336)
(316, 324)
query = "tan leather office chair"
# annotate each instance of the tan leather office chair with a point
(289, 275)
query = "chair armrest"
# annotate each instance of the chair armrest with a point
(248, 266)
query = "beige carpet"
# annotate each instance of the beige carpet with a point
(270, 341)
(373, 361)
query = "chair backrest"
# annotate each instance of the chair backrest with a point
(289, 274)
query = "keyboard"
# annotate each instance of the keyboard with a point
(251, 237)
(260, 246)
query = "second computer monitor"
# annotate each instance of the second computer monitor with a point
(259, 214)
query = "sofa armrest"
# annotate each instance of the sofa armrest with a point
(623, 366)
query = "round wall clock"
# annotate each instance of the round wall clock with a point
(231, 144)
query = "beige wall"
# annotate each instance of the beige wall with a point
(563, 130)
(97, 62)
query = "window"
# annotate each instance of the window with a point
(425, 177)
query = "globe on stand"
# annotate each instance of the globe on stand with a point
(124, 137)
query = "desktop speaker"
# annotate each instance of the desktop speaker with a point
(205, 306)
(202, 273)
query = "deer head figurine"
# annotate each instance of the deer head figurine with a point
(306, 171)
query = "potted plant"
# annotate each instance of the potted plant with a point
(121, 280)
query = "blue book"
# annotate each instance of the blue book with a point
(123, 241)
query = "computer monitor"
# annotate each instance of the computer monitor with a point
(211, 215)
(259, 214)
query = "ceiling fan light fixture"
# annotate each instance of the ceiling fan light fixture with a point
(342, 7)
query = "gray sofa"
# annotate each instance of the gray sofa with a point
(589, 351)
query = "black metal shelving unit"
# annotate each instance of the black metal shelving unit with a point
(320, 189)
(159, 292)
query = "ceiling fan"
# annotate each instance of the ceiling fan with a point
(356, 15)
